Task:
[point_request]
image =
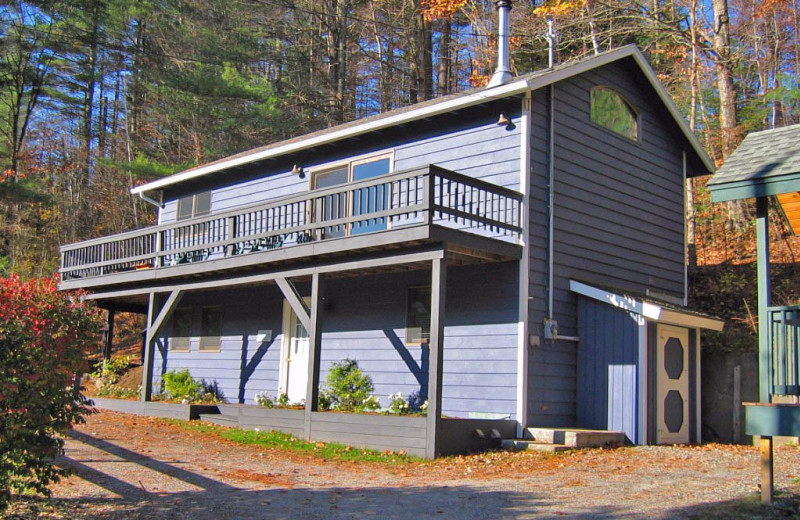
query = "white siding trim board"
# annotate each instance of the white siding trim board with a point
(524, 266)
(647, 310)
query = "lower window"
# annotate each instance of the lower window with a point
(418, 316)
(210, 329)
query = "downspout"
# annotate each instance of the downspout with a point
(685, 241)
(154, 202)
(550, 323)
(551, 327)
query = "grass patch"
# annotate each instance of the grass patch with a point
(288, 442)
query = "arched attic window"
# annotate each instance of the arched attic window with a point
(609, 109)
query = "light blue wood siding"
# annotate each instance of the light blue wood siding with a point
(618, 219)
(243, 366)
(608, 368)
(470, 143)
(366, 322)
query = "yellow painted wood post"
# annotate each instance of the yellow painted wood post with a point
(766, 470)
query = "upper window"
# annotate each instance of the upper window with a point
(609, 109)
(181, 330)
(194, 205)
(210, 328)
(363, 201)
(418, 316)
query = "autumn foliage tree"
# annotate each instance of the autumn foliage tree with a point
(43, 335)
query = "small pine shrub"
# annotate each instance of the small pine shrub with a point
(348, 389)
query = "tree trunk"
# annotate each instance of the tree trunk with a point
(443, 61)
(724, 68)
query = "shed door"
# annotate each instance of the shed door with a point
(672, 380)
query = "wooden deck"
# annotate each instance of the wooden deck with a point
(479, 221)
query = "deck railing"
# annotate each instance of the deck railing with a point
(429, 195)
(785, 345)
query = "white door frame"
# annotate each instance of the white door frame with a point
(286, 345)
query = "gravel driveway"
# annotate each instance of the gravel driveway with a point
(135, 467)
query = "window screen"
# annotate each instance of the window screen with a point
(210, 328)
(418, 315)
(181, 330)
(609, 109)
(194, 205)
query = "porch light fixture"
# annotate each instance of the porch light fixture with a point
(298, 170)
(503, 120)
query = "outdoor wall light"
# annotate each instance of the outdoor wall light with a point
(298, 170)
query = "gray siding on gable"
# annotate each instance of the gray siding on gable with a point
(618, 219)
(366, 322)
(608, 366)
(619, 204)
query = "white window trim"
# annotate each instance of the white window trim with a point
(350, 164)
(194, 214)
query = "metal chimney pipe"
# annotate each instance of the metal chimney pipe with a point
(503, 73)
(552, 39)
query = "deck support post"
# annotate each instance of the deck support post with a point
(764, 341)
(155, 322)
(764, 297)
(766, 470)
(436, 351)
(108, 340)
(314, 348)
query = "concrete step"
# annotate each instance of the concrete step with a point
(575, 437)
(220, 419)
(529, 444)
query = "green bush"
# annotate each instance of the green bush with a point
(180, 385)
(113, 368)
(43, 336)
(348, 389)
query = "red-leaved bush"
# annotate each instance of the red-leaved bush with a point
(43, 336)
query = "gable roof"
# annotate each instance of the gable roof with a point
(426, 109)
(766, 163)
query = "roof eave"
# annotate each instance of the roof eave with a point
(481, 96)
(648, 310)
(753, 188)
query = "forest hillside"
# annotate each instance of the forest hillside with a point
(98, 96)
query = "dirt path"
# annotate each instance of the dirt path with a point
(137, 468)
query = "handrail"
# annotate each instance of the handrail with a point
(421, 195)
(784, 342)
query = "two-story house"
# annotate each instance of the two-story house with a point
(513, 254)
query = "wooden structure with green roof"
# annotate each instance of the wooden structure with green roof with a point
(766, 165)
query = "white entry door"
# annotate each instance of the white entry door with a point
(672, 381)
(294, 356)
